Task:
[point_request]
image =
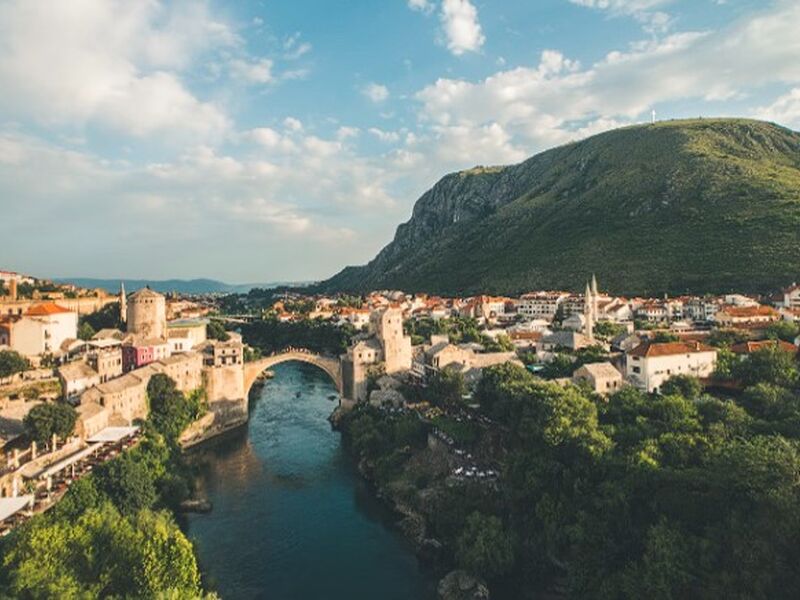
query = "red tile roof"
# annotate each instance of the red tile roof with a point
(45, 309)
(753, 346)
(669, 349)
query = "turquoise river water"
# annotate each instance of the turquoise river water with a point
(292, 518)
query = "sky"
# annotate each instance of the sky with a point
(278, 140)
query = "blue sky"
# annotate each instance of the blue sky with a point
(267, 140)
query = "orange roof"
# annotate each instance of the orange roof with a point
(750, 311)
(670, 349)
(753, 346)
(46, 308)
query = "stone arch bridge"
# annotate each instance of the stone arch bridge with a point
(332, 366)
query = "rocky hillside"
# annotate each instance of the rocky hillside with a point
(700, 206)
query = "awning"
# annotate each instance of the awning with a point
(113, 434)
(11, 506)
(65, 462)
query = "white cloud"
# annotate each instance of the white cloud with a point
(112, 62)
(785, 110)
(375, 92)
(425, 6)
(344, 133)
(653, 21)
(252, 71)
(294, 48)
(271, 139)
(559, 100)
(461, 27)
(385, 136)
(292, 124)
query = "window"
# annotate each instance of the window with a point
(637, 370)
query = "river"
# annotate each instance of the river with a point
(292, 518)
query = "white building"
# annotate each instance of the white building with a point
(790, 297)
(650, 365)
(42, 329)
(540, 305)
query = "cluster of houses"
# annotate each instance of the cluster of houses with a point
(105, 378)
(546, 324)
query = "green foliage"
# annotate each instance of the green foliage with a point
(12, 362)
(464, 433)
(106, 318)
(663, 337)
(271, 335)
(502, 343)
(215, 330)
(726, 364)
(129, 483)
(783, 330)
(102, 539)
(252, 354)
(682, 385)
(485, 547)
(170, 410)
(608, 330)
(446, 387)
(770, 364)
(565, 363)
(725, 338)
(459, 330)
(102, 554)
(85, 331)
(50, 418)
(637, 196)
(383, 441)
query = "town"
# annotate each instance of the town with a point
(406, 353)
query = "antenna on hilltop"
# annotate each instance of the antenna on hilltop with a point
(653, 116)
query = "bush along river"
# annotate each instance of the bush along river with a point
(292, 518)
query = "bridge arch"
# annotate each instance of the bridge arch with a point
(331, 366)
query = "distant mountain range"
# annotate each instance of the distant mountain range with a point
(705, 205)
(182, 286)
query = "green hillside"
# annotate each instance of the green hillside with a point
(684, 206)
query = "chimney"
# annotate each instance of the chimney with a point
(12, 289)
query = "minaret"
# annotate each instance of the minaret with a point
(123, 303)
(588, 313)
(595, 300)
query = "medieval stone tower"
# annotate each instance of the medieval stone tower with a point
(147, 314)
(387, 325)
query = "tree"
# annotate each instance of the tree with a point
(447, 386)
(662, 337)
(48, 418)
(85, 331)
(725, 338)
(12, 362)
(484, 547)
(216, 331)
(783, 330)
(682, 385)
(129, 484)
(770, 364)
(107, 317)
(607, 330)
(102, 554)
(170, 410)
